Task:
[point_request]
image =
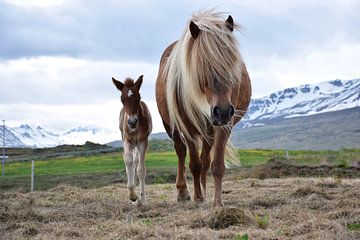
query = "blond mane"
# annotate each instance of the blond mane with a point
(193, 64)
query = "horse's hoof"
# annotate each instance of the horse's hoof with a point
(199, 199)
(139, 202)
(183, 195)
(217, 204)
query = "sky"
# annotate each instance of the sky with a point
(57, 57)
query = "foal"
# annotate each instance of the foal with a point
(135, 126)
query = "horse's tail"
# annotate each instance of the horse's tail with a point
(232, 159)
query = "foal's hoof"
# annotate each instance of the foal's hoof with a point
(133, 197)
(183, 195)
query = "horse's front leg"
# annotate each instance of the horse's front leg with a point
(195, 168)
(141, 170)
(205, 159)
(130, 169)
(218, 165)
(180, 149)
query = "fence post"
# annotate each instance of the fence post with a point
(287, 155)
(32, 175)
(3, 151)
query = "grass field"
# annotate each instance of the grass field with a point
(102, 169)
(289, 208)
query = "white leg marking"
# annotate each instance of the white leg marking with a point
(141, 170)
(130, 169)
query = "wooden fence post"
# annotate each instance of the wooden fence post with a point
(32, 175)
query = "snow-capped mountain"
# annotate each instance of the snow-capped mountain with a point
(35, 136)
(305, 100)
(30, 136)
(80, 135)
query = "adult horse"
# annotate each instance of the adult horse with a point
(135, 126)
(202, 90)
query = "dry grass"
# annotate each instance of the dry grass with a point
(297, 208)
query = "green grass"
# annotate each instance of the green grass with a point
(165, 162)
(354, 226)
(108, 162)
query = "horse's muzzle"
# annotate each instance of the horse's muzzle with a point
(132, 123)
(222, 115)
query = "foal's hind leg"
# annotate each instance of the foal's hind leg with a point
(195, 167)
(180, 148)
(130, 169)
(141, 170)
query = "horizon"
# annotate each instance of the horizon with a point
(57, 58)
(12, 125)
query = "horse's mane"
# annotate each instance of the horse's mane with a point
(194, 63)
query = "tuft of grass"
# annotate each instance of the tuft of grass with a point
(226, 217)
(353, 226)
(262, 221)
(241, 237)
(147, 221)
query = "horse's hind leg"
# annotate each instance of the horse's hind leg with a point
(130, 169)
(205, 159)
(141, 170)
(180, 148)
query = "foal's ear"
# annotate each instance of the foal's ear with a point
(119, 85)
(229, 23)
(194, 29)
(138, 82)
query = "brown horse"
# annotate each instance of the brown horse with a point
(202, 90)
(135, 126)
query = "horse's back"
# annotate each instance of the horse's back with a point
(161, 86)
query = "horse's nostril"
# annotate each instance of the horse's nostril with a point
(216, 112)
(232, 111)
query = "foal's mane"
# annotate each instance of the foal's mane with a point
(194, 64)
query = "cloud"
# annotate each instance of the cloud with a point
(336, 59)
(57, 57)
(65, 117)
(64, 80)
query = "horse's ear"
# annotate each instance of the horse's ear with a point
(194, 29)
(230, 23)
(139, 82)
(119, 85)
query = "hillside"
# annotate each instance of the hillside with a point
(311, 102)
(306, 100)
(293, 208)
(333, 130)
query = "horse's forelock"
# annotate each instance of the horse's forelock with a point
(129, 82)
(214, 54)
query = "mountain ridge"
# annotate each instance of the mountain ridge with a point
(302, 101)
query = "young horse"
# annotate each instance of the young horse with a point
(135, 126)
(202, 90)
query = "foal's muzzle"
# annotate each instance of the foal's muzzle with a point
(222, 115)
(132, 122)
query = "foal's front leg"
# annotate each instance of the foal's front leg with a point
(141, 170)
(130, 169)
